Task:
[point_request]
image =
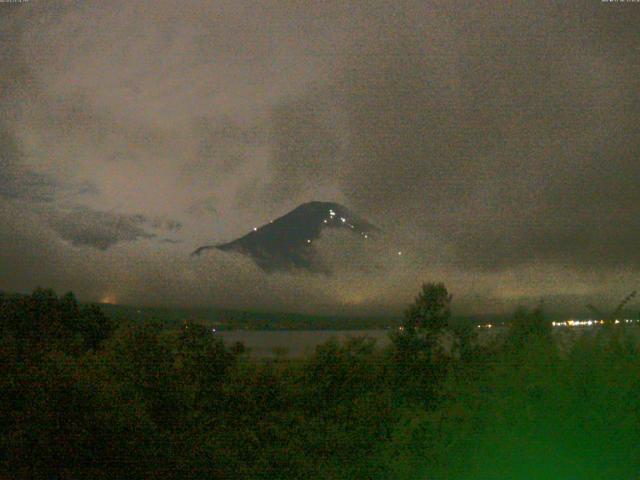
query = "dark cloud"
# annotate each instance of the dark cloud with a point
(201, 207)
(223, 146)
(101, 230)
(496, 143)
(17, 181)
(82, 226)
(514, 137)
(87, 188)
(169, 240)
(306, 146)
(171, 225)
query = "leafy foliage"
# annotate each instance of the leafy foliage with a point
(86, 398)
(431, 309)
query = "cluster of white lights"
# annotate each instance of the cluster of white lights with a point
(332, 215)
(576, 323)
(590, 322)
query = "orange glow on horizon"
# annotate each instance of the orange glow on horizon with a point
(109, 299)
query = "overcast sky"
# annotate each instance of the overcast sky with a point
(496, 143)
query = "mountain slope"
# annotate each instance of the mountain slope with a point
(288, 242)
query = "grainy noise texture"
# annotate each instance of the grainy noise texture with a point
(495, 143)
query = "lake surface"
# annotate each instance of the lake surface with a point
(295, 343)
(298, 343)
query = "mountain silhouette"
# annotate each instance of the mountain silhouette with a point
(288, 242)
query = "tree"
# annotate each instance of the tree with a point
(431, 310)
(96, 327)
(420, 362)
(527, 327)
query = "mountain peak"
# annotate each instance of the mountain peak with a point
(288, 242)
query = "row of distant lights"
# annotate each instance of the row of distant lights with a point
(575, 323)
(568, 323)
(589, 323)
(332, 215)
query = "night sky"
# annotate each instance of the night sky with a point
(497, 144)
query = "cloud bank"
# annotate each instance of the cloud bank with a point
(496, 144)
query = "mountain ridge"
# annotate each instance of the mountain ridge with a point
(287, 242)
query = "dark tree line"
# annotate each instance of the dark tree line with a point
(85, 397)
